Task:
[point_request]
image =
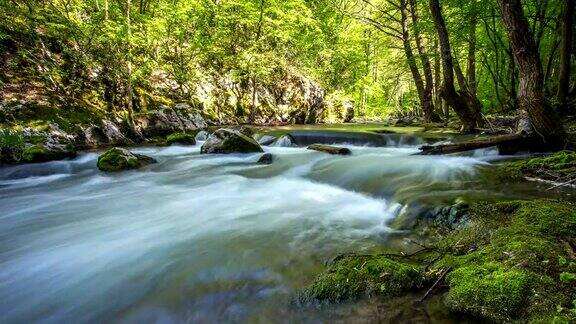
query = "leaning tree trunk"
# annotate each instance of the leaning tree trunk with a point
(542, 123)
(461, 104)
(566, 50)
(428, 102)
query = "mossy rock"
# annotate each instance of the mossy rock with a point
(355, 276)
(41, 153)
(181, 138)
(488, 290)
(508, 263)
(119, 159)
(225, 141)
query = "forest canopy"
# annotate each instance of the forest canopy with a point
(229, 55)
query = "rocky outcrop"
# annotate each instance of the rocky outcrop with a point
(119, 159)
(166, 120)
(227, 140)
(202, 135)
(287, 98)
(106, 134)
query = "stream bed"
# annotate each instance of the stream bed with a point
(204, 238)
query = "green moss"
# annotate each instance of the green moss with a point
(351, 277)
(118, 159)
(547, 217)
(181, 138)
(553, 167)
(488, 290)
(40, 153)
(512, 243)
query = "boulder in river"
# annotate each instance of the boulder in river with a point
(227, 140)
(266, 140)
(202, 135)
(330, 149)
(266, 158)
(119, 159)
(44, 153)
(181, 138)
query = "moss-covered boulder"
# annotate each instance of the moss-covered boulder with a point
(488, 290)
(44, 153)
(354, 276)
(181, 138)
(227, 140)
(119, 159)
(510, 262)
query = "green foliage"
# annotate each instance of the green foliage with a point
(11, 146)
(351, 277)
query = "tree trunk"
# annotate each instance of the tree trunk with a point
(566, 50)
(425, 101)
(129, 66)
(427, 105)
(531, 100)
(459, 103)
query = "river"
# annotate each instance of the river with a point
(202, 238)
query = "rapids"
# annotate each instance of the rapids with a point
(201, 238)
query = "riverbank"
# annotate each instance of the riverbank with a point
(513, 260)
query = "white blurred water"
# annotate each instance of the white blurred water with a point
(200, 238)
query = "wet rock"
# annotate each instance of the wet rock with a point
(47, 152)
(266, 140)
(266, 158)
(202, 135)
(330, 149)
(243, 129)
(285, 141)
(181, 138)
(227, 140)
(448, 217)
(119, 159)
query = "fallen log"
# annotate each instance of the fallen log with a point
(505, 141)
(330, 149)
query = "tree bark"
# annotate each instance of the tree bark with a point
(531, 100)
(461, 104)
(425, 101)
(566, 50)
(427, 105)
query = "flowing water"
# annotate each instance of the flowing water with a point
(201, 238)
